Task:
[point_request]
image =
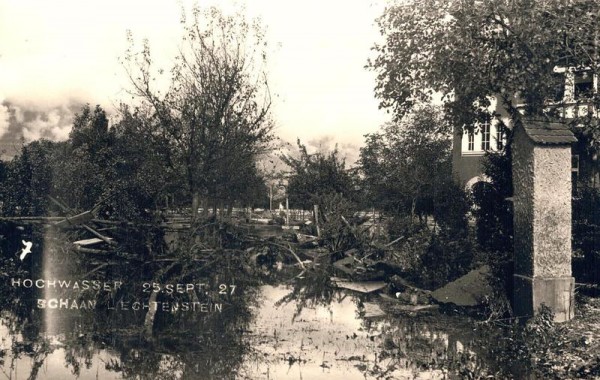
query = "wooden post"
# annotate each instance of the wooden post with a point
(287, 211)
(316, 208)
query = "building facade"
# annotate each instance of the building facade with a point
(572, 99)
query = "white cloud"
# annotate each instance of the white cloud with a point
(53, 124)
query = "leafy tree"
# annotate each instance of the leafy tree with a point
(246, 187)
(315, 175)
(215, 115)
(82, 168)
(407, 174)
(407, 171)
(28, 179)
(136, 177)
(469, 50)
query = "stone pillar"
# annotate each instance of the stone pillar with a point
(542, 219)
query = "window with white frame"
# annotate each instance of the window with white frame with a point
(485, 135)
(471, 142)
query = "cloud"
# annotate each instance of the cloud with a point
(51, 125)
(327, 143)
(55, 51)
(36, 122)
(322, 144)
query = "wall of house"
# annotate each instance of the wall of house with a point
(464, 167)
(467, 165)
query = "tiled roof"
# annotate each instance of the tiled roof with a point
(545, 132)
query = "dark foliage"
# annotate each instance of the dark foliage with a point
(28, 179)
(493, 211)
(317, 175)
(586, 235)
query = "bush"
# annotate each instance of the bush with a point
(494, 227)
(335, 233)
(432, 257)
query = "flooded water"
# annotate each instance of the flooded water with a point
(274, 334)
(220, 317)
(335, 342)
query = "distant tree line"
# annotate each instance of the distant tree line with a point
(112, 169)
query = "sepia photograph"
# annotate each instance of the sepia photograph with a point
(261, 189)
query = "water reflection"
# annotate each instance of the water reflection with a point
(267, 336)
(332, 340)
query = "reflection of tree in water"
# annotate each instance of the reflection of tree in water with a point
(186, 345)
(452, 345)
(23, 325)
(18, 306)
(182, 345)
(312, 289)
(415, 343)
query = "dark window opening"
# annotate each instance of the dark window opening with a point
(574, 172)
(499, 137)
(584, 84)
(558, 84)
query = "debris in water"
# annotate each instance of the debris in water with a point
(91, 241)
(75, 220)
(344, 264)
(362, 287)
(469, 290)
(372, 310)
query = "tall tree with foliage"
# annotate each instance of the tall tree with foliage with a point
(472, 51)
(469, 50)
(316, 175)
(407, 175)
(28, 179)
(215, 114)
(82, 169)
(406, 167)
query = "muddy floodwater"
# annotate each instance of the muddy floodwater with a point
(277, 331)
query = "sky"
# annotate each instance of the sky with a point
(57, 55)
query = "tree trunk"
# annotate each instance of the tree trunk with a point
(229, 211)
(195, 205)
(205, 208)
(316, 211)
